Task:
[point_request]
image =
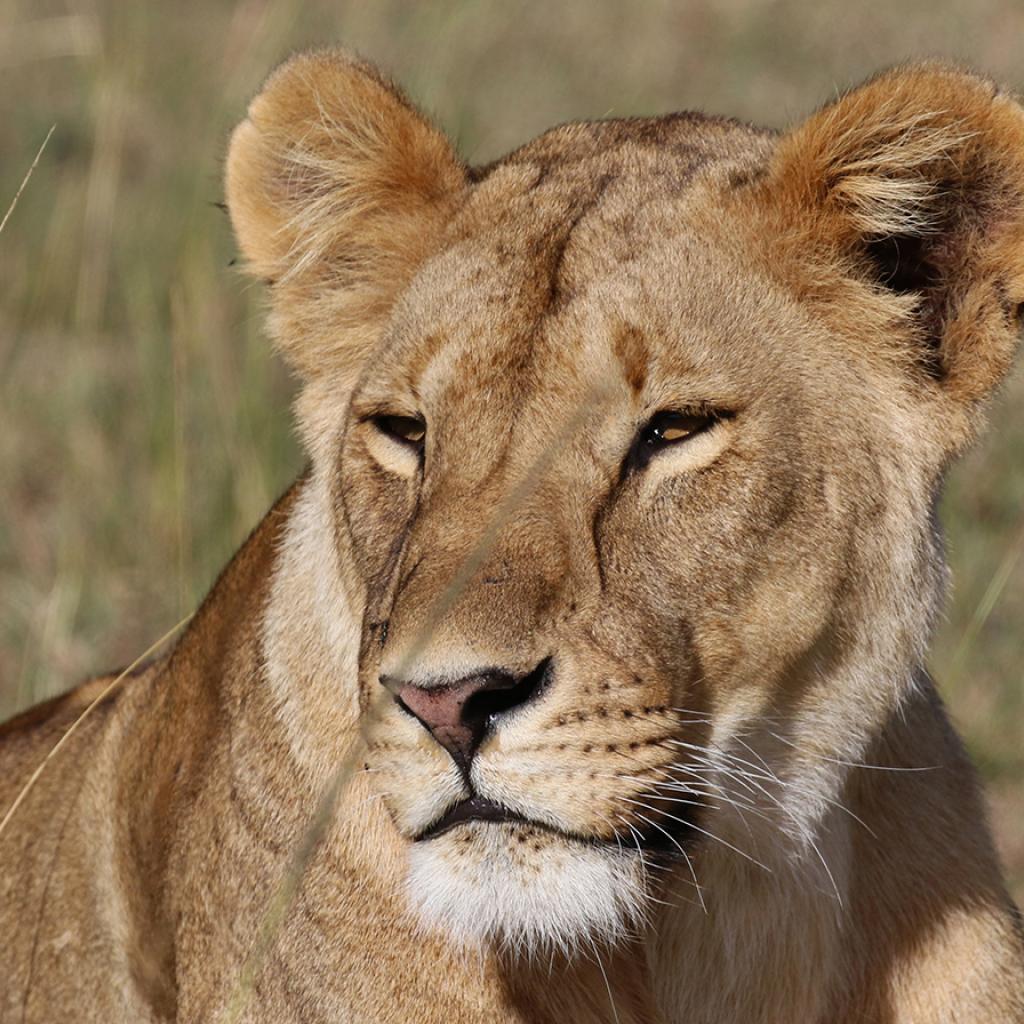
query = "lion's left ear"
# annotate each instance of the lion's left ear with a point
(915, 181)
(337, 189)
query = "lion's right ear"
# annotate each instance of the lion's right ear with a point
(912, 184)
(337, 189)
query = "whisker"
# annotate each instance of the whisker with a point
(855, 764)
(646, 865)
(611, 998)
(828, 870)
(739, 808)
(710, 835)
(753, 753)
(743, 778)
(749, 769)
(689, 863)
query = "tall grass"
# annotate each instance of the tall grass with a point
(145, 421)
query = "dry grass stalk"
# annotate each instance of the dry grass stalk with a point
(100, 697)
(24, 181)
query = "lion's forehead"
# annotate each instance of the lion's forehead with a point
(573, 208)
(474, 330)
(566, 272)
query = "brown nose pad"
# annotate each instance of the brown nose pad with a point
(459, 715)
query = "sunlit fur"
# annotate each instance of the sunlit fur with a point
(738, 797)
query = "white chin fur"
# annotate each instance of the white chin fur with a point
(493, 890)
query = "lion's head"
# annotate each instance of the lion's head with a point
(629, 446)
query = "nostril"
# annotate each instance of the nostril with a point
(487, 704)
(458, 715)
(405, 707)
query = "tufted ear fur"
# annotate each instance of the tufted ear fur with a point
(915, 183)
(337, 189)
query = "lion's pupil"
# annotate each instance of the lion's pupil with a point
(408, 429)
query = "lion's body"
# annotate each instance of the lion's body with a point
(131, 886)
(717, 784)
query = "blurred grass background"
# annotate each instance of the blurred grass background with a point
(145, 422)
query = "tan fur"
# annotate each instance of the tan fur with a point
(748, 805)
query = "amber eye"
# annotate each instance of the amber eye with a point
(407, 430)
(665, 429)
(670, 427)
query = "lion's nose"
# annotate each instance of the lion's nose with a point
(459, 715)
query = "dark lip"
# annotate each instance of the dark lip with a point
(663, 842)
(479, 808)
(476, 808)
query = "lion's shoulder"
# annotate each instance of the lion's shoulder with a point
(27, 740)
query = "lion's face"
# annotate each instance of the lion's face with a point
(634, 486)
(623, 487)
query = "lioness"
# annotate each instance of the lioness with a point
(601, 610)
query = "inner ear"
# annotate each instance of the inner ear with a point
(916, 266)
(902, 263)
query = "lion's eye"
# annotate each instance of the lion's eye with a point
(665, 429)
(408, 430)
(671, 427)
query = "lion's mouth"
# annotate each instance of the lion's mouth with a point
(475, 808)
(480, 808)
(655, 839)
